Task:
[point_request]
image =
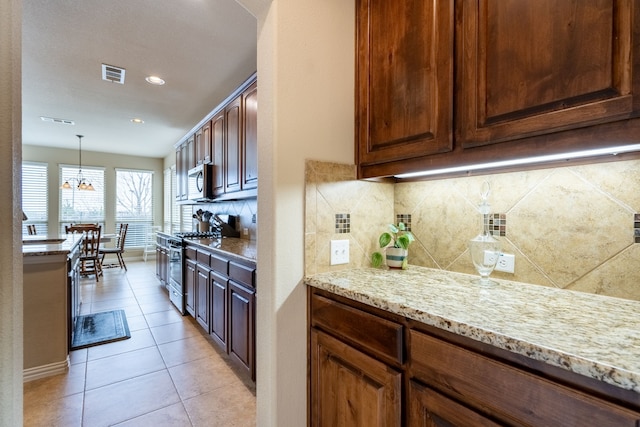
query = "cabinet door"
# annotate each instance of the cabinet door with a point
(534, 67)
(190, 286)
(233, 120)
(404, 79)
(217, 148)
(202, 297)
(179, 173)
(428, 408)
(190, 158)
(250, 142)
(241, 331)
(219, 286)
(203, 144)
(349, 388)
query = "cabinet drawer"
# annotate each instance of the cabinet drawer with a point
(219, 264)
(381, 337)
(241, 273)
(190, 253)
(507, 392)
(203, 258)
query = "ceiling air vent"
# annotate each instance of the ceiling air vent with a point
(113, 74)
(59, 121)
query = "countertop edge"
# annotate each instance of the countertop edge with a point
(606, 372)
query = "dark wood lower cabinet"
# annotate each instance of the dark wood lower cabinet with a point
(202, 297)
(350, 388)
(419, 375)
(428, 408)
(222, 291)
(219, 291)
(242, 326)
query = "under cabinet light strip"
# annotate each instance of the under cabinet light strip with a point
(526, 161)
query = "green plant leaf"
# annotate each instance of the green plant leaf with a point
(403, 241)
(376, 259)
(393, 228)
(385, 239)
(404, 263)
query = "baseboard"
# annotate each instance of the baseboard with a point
(43, 371)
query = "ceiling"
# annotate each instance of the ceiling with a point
(203, 49)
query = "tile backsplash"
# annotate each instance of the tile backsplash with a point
(571, 227)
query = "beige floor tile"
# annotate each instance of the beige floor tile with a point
(155, 289)
(137, 323)
(174, 331)
(155, 307)
(109, 370)
(186, 350)
(156, 295)
(51, 388)
(113, 304)
(202, 376)
(125, 400)
(139, 339)
(164, 317)
(78, 356)
(171, 416)
(232, 407)
(63, 412)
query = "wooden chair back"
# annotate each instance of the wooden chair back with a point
(122, 235)
(31, 229)
(79, 228)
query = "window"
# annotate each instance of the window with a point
(134, 205)
(35, 196)
(79, 206)
(176, 217)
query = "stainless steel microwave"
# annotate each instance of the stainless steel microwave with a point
(200, 183)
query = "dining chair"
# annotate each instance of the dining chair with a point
(118, 250)
(31, 229)
(89, 248)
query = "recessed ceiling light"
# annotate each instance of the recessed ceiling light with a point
(155, 80)
(137, 120)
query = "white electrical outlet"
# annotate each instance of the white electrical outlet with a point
(339, 252)
(506, 263)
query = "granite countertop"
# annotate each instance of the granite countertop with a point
(49, 245)
(243, 249)
(589, 334)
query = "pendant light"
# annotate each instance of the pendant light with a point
(82, 183)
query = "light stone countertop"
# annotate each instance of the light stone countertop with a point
(589, 334)
(49, 245)
(242, 249)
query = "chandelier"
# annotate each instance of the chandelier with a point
(82, 182)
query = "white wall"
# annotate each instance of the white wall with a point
(306, 78)
(10, 216)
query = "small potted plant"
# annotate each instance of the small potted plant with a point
(395, 245)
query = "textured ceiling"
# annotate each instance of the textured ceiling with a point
(203, 49)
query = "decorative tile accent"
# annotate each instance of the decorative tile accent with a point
(406, 219)
(636, 228)
(343, 223)
(498, 224)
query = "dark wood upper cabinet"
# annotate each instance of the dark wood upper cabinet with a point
(233, 121)
(404, 79)
(203, 144)
(217, 146)
(533, 67)
(250, 146)
(452, 83)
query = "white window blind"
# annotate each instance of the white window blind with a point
(175, 208)
(35, 196)
(81, 206)
(134, 205)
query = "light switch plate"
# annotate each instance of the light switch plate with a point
(339, 252)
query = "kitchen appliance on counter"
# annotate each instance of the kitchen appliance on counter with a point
(226, 224)
(175, 287)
